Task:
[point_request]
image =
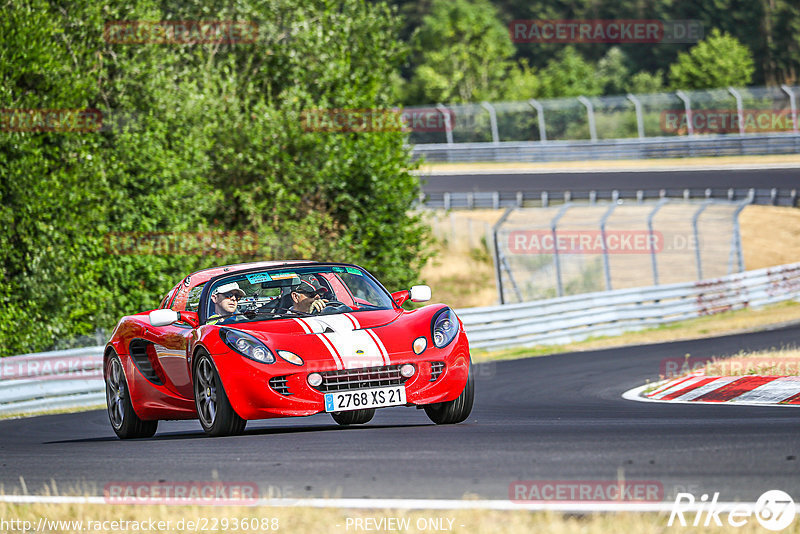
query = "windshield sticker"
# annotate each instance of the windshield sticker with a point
(338, 269)
(283, 276)
(258, 277)
(353, 270)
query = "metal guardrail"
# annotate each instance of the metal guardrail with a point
(577, 317)
(611, 149)
(45, 381)
(66, 379)
(543, 198)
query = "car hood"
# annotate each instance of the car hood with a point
(346, 340)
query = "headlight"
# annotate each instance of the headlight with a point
(444, 327)
(246, 345)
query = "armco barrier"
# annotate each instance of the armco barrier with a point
(577, 317)
(73, 378)
(55, 380)
(610, 149)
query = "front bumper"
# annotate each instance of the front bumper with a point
(253, 396)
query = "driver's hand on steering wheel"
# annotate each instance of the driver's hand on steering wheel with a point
(317, 306)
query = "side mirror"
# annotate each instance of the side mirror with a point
(420, 293)
(400, 297)
(167, 317)
(163, 317)
(191, 318)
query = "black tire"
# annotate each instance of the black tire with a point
(454, 411)
(355, 417)
(123, 419)
(213, 407)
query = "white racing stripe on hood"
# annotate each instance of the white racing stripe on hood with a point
(355, 348)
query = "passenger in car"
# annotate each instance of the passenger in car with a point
(226, 299)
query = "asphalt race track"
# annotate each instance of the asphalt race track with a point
(548, 418)
(781, 178)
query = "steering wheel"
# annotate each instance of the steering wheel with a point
(334, 306)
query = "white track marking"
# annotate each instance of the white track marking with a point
(423, 504)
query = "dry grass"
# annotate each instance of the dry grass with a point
(714, 325)
(323, 521)
(770, 236)
(784, 362)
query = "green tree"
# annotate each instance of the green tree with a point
(194, 138)
(461, 52)
(720, 60)
(570, 75)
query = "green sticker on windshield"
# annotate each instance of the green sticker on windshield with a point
(338, 269)
(352, 270)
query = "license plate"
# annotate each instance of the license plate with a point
(345, 401)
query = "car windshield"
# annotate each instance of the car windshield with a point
(292, 292)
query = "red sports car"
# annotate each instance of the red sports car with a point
(279, 339)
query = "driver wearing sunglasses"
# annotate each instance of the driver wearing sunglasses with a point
(307, 295)
(226, 299)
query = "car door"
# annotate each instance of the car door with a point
(171, 345)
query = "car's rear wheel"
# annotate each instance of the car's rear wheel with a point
(355, 417)
(124, 421)
(213, 407)
(456, 410)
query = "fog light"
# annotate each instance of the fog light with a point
(407, 370)
(314, 379)
(420, 344)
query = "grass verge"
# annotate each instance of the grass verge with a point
(136, 518)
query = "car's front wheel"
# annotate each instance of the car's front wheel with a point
(213, 407)
(124, 421)
(456, 410)
(354, 417)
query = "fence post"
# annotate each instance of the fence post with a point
(498, 257)
(556, 260)
(590, 114)
(492, 121)
(639, 117)
(687, 105)
(736, 238)
(739, 108)
(606, 266)
(659, 205)
(792, 105)
(540, 111)
(696, 231)
(448, 125)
